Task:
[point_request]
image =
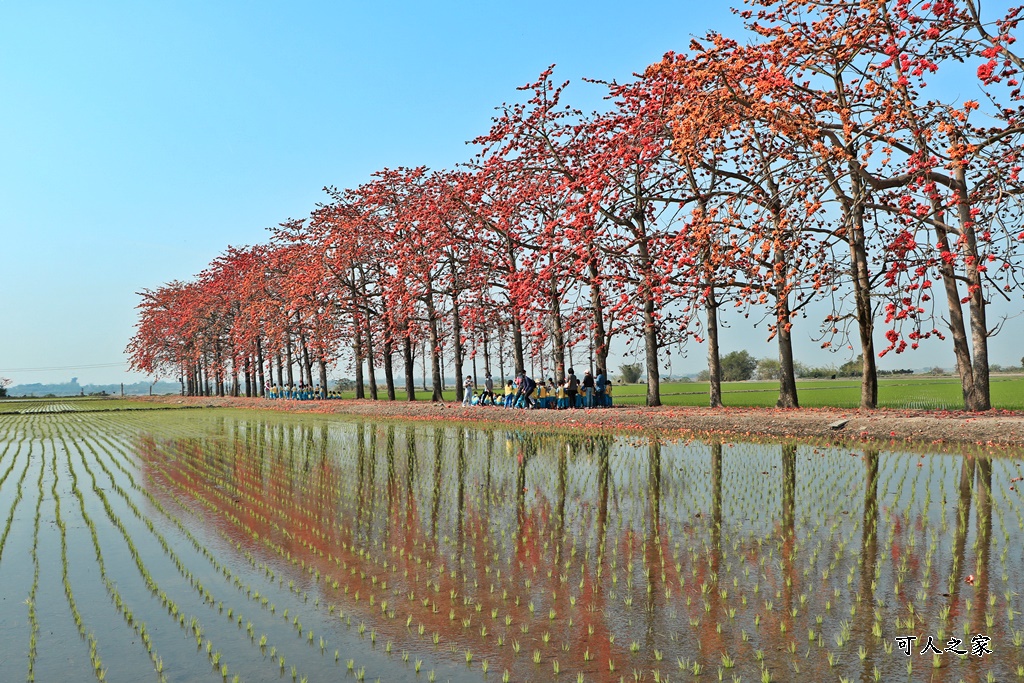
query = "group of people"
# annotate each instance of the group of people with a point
(521, 392)
(303, 392)
(525, 392)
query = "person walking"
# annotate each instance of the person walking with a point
(488, 390)
(572, 387)
(530, 385)
(526, 387)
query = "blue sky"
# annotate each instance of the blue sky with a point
(138, 140)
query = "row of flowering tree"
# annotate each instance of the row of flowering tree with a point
(809, 169)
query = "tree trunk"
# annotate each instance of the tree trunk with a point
(517, 344)
(557, 334)
(218, 376)
(370, 370)
(407, 359)
(650, 321)
(435, 360)
(460, 392)
(487, 353)
(473, 355)
(980, 397)
(323, 377)
(423, 362)
(289, 360)
(714, 354)
(357, 351)
(787, 373)
(787, 377)
(601, 342)
(651, 355)
(957, 326)
(862, 297)
(261, 384)
(389, 368)
(501, 357)
(517, 328)
(307, 363)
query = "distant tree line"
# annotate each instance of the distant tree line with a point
(740, 366)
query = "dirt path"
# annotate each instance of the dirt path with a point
(994, 428)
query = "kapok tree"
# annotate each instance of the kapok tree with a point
(629, 178)
(159, 346)
(237, 280)
(416, 239)
(322, 307)
(707, 236)
(826, 60)
(948, 186)
(768, 183)
(613, 198)
(521, 184)
(456, 233)
(954, 179)
(381, 207)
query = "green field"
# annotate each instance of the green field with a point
(928, 393)
(909, 393)
(913, 392)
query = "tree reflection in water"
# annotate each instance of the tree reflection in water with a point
(624, 553)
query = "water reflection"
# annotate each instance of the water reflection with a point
(864, 619)
(622, 554)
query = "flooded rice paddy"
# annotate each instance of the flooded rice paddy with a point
(231, 546)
